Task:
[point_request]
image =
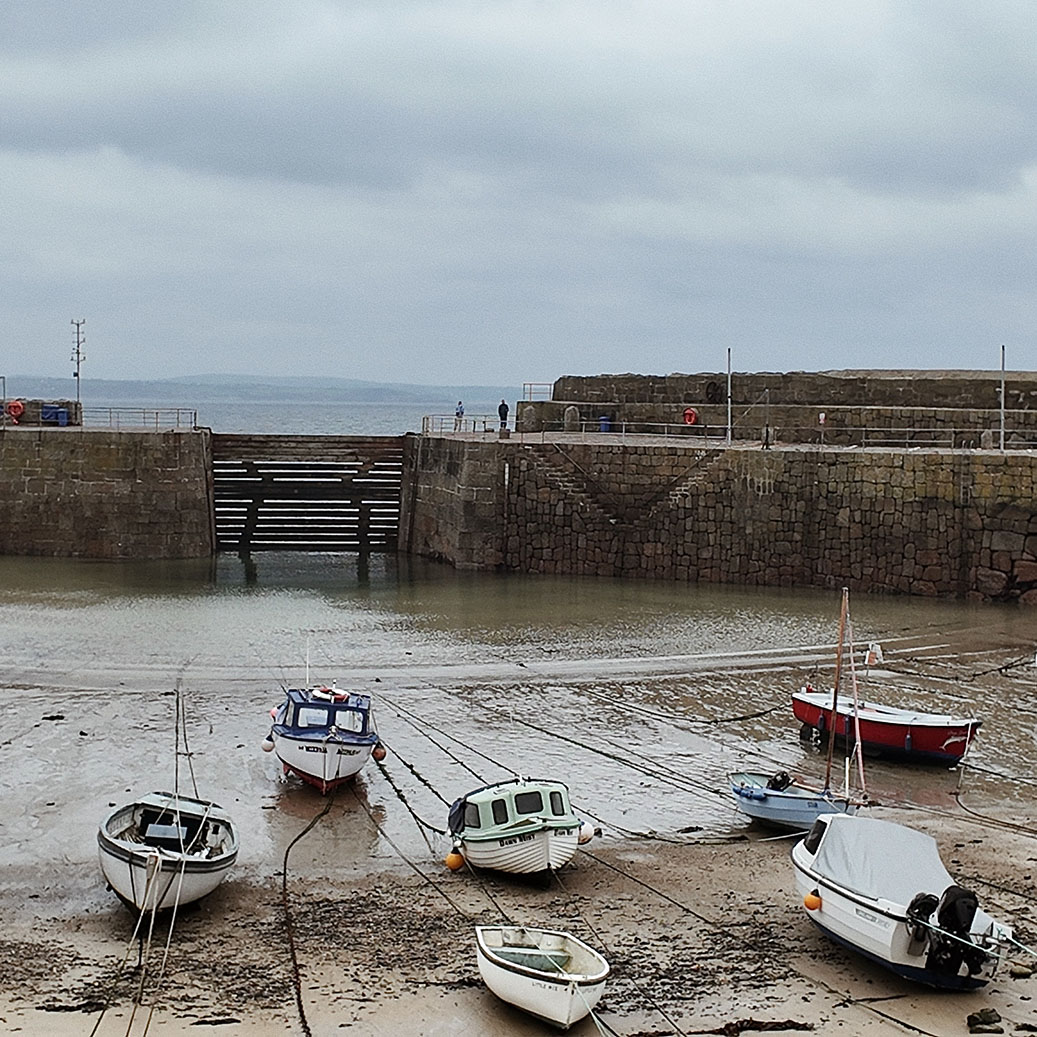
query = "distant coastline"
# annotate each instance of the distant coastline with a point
(196, 389)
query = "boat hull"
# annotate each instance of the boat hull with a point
(155, 877)
(888, 731)
(794, 808)
(559, 994)
(880, 929)
(525, 852)
(322, 762)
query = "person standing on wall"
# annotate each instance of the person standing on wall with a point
(458, 416)
(502, 413)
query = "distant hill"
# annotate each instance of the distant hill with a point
(192, 389)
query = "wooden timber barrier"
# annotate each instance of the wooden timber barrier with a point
(306, 493)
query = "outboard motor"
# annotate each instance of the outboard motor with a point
(954, 915)
(779, 782)
(919, 911)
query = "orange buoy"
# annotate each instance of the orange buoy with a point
(690, 416)
(378, 752)
(812, 901)
(454, 860)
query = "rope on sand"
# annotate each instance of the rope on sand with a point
(296, 978)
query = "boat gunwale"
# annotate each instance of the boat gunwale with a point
(878, 713)
(560, 978)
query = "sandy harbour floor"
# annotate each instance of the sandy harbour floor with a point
(704, 938)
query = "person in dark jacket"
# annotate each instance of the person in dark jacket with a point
(502, 413)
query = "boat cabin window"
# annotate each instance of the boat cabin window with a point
(557, 804)
(813, 839)
(311, 716)
(529, 803)
(471, 815)
(500, 811)
(349, 720)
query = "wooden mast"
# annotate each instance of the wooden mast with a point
(835, 685)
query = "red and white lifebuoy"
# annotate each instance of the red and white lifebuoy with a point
(15, 409)
(690, 416)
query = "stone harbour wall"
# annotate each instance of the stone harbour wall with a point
(926, 522)
(105, 494)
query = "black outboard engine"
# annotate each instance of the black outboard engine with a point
(954, 915)
(779, 782)
(919, 911)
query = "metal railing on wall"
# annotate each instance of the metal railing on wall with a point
(913, 437)
(135, 419)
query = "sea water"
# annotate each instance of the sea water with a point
(641, 695)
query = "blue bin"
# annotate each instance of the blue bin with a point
(52, 413)
(604, 424)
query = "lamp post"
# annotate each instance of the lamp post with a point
(78, 356)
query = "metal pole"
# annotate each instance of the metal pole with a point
(78, 356)
(1002, 398)
(729, 431)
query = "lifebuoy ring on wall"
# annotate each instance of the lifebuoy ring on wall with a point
(15, 409)
(690, 416)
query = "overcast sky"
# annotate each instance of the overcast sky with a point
(499, 192)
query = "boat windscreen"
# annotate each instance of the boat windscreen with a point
(880, 859)
(529, 803)
(348, 719)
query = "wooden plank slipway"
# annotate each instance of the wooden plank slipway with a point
(307, 493)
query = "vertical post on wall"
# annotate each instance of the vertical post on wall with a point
(729, 430)
(1002, 398)
(78, 356)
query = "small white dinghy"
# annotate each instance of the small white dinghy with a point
(550, 974)
(164, 850)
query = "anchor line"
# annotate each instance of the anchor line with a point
(419, 821)
(601, 821)
(417, 774)
(645, 996)
(447, 734)
(406, 860)
(727, 932)
(437, 744)
(289, 928)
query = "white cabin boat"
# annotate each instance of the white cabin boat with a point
(881, 889)
(523, 826)
(165, 850)
(323, 735)
(550, 974)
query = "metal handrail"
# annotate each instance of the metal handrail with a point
(134, 419)
(767, 436)
(537, 390)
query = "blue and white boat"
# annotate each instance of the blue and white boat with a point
(778, 801)
(882, 890)
(323, 735)
(523, 826)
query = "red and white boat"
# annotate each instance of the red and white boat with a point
(888, 730)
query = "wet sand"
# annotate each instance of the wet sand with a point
(704, 930)
(701, 936)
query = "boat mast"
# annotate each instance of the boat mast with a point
(835, 685)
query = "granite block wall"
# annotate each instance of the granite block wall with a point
(105, 494)
(928, 522)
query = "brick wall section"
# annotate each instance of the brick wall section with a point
(964, 403)
(957, 389)
(105, 494)
(955, 524)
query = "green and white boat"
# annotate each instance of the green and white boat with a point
(524, 826)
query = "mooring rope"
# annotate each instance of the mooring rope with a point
(645, 996)
(296, 978)
(382, 832)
